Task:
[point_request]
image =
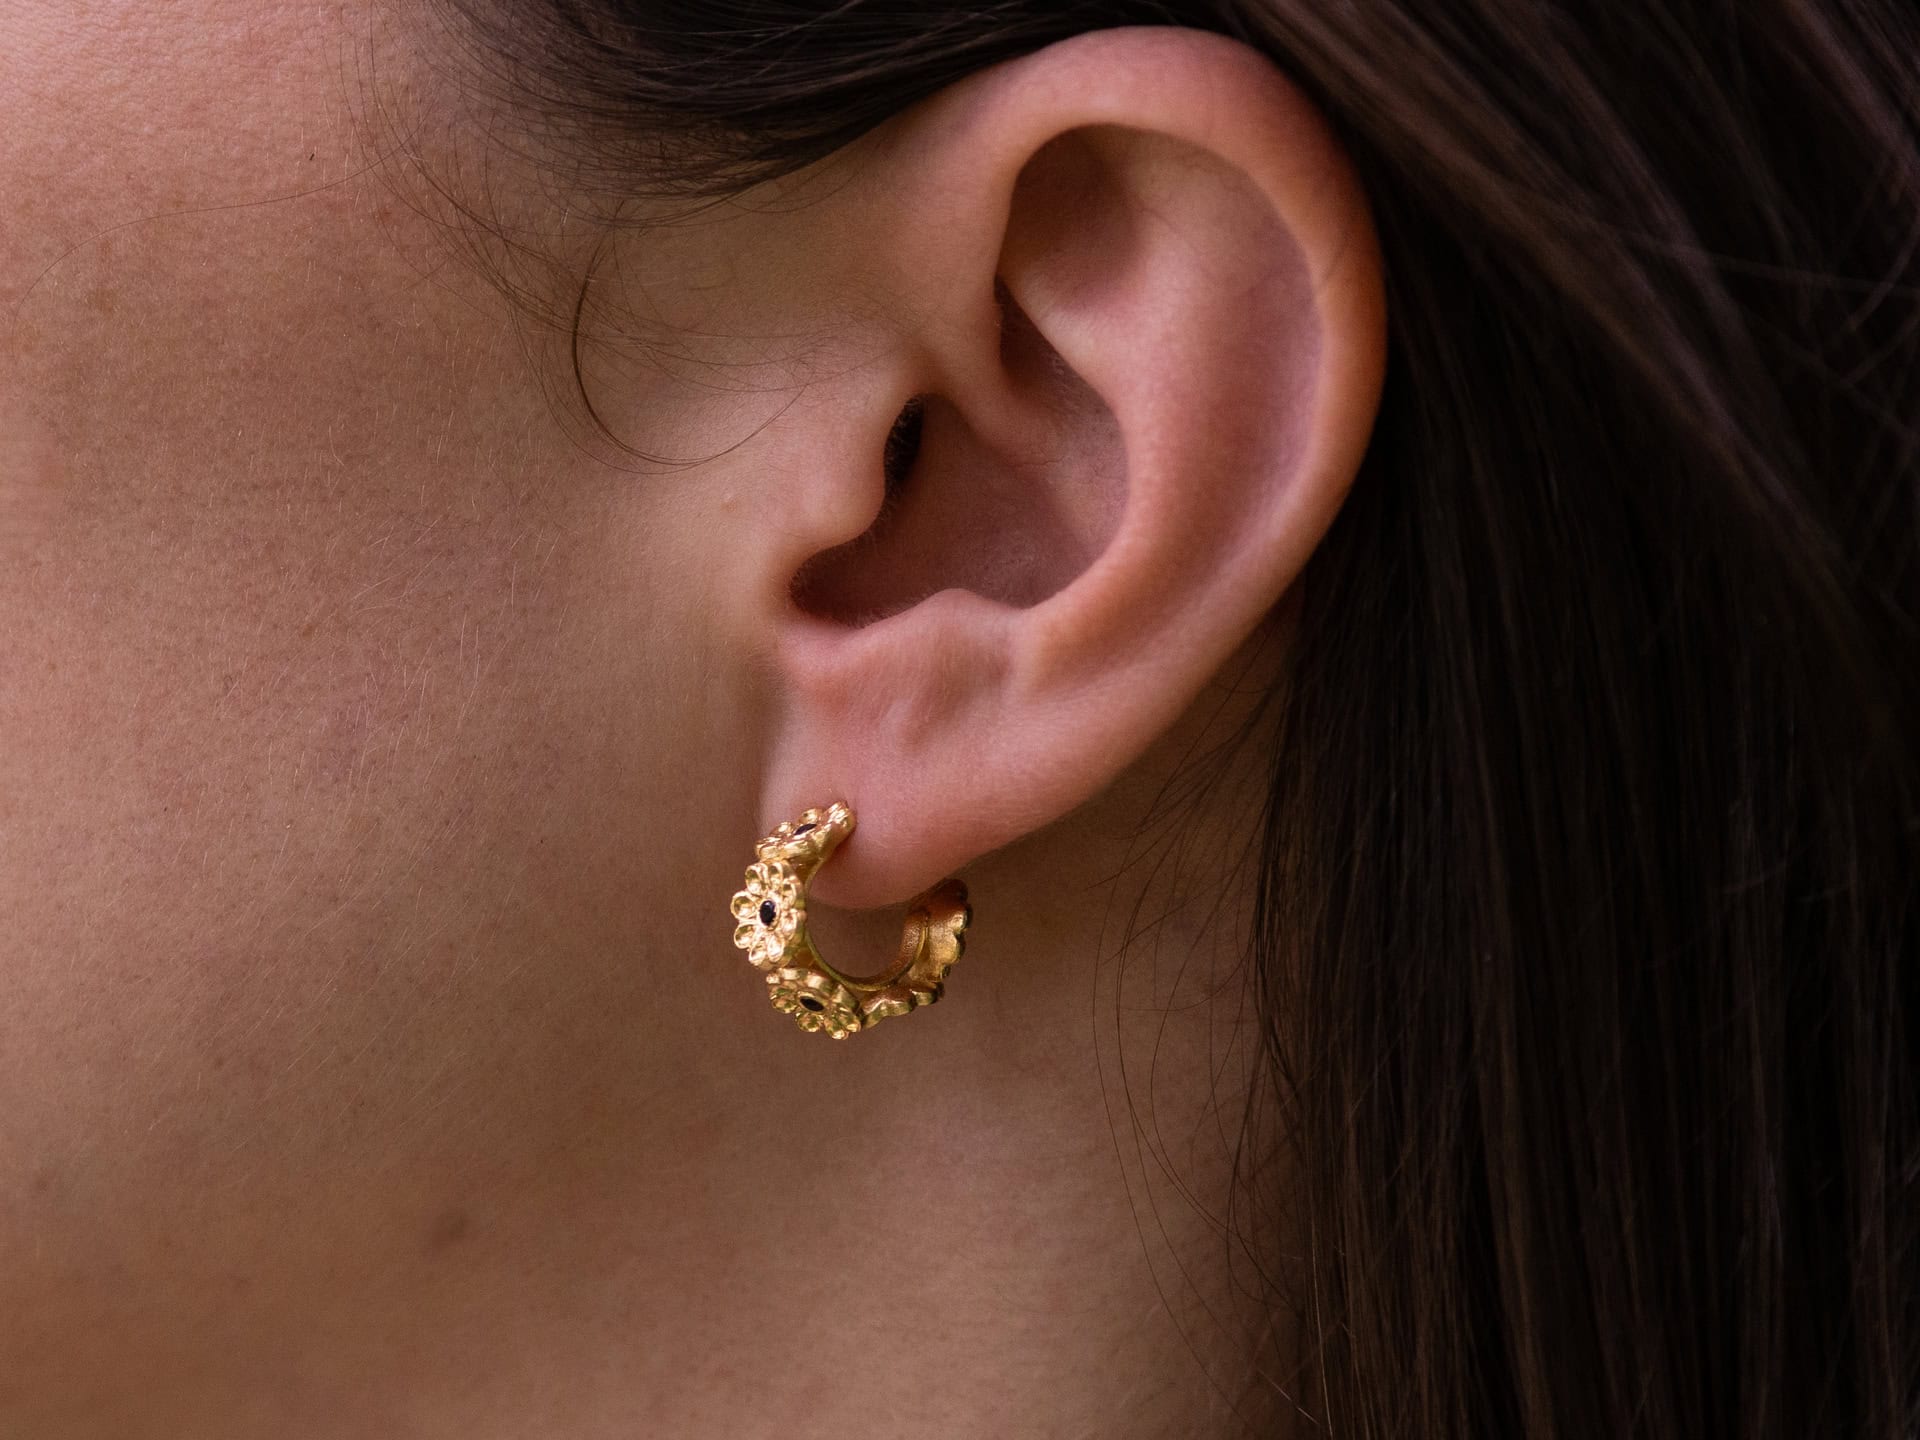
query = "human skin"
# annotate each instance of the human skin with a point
(381, 750)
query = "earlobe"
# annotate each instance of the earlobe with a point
(1145, 342)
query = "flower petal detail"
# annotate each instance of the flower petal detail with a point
(815, 1001)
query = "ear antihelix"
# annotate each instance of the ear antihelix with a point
(771, 911)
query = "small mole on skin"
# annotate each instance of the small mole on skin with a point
(449, 1229)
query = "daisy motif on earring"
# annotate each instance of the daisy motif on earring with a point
(769, 910)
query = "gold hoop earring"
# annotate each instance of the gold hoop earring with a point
(772, 929)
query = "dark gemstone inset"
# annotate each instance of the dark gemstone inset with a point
(767, 911)
(811, 1003)
(800, 830)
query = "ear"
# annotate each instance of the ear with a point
(1141, 342)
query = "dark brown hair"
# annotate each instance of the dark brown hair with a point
(1588, 917)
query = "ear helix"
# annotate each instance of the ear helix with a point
(771, 911)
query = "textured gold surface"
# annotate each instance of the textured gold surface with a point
(771, 915)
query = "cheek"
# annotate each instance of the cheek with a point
(368, 782)
(336, 860)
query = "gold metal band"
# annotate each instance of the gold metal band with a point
(771, 911)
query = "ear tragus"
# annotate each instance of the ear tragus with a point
(1010, 503)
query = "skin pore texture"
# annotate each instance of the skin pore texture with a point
(382, 746)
